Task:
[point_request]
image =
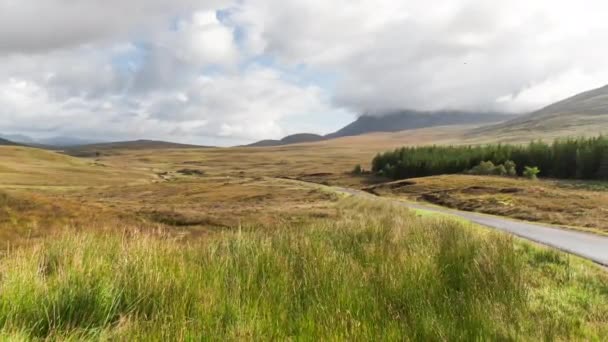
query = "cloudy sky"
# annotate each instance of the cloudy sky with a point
(229, 72)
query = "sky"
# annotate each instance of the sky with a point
(230, 72)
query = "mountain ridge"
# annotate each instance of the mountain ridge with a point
(5, 142)
(393, 122)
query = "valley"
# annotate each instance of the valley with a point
(148, 240)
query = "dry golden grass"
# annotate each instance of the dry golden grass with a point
(22, 167)
(234, 185)
(26, 216)
(54, 191)
(332, 156)
(576, 204)
(202, 204)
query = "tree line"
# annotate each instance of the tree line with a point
(572, 158)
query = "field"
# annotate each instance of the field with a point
(376, 272)
(195, 244)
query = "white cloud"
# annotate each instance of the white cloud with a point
(28, 26)
(445, 54)
(181, 70)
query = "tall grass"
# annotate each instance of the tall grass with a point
(378, 273)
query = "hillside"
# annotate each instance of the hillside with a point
(94, 149)
(406, 120)
(582, 114)
(33, 167)
(290, 139)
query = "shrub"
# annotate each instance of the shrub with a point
(531, 172)
(500, 170)
(358, 170)
(484, 168)
(511, 168)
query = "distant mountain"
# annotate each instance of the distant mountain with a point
(101, 148)
(395, 122)
(582, 114)
(18, 138)
(4, 142)
(290, 139)
(62, 141)
(409, 119)
(59, 141)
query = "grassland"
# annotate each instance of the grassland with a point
(22, 167)
(378, 272)
(201, 244)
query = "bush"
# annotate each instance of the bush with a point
(511, 168)
(500, 170)
(531, 172)
(357, 170)
(484, 168)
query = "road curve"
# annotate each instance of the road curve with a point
(586, 245)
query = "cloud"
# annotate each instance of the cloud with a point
(185, 82)
(233, 71)
(32, 26)
(469, 54)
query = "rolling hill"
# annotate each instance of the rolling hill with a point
(104, 148)
(584, 114)
(33, 167)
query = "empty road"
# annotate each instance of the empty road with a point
(586, 245)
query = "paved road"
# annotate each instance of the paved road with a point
(586, 245)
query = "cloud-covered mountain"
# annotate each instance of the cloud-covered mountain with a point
(395, 122)
(404, 120)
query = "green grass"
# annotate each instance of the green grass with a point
(378, 273)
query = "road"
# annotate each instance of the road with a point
(586, 245)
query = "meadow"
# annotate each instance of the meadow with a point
(378, 272)
(210, 244)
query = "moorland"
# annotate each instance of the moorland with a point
(148, 240)
(245, 243)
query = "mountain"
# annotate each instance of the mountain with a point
(4, 142)
(18, 138)
(62, 141)
(59, 141)
(290, 139)
(582, 114)
(395, 122)
(409, 119)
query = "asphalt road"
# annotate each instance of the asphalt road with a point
(586, 245)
